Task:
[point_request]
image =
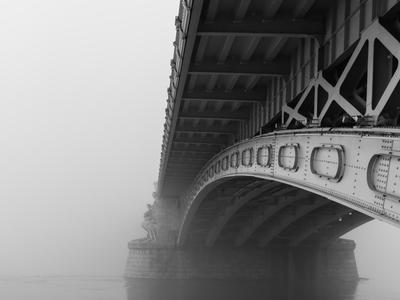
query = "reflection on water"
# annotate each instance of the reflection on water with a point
(61, 288)
(112, 288)
(146, 289)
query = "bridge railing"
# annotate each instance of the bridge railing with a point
(182, 24)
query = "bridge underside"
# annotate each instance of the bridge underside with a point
(251, 212)
(246, 66)
(281, 135)
(232, 51)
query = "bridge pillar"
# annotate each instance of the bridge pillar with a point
(335, 261)
(155, 260)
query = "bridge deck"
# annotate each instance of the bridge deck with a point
(237, 63)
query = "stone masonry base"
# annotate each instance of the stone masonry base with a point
(147, 260)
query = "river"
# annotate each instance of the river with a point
(115, 288)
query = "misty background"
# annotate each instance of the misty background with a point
(82, 98)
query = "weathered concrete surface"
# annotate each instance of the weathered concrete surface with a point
(151, 260)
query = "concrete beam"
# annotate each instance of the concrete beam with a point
(212, 10)
(232, 80)
(274, 48)
(186, 165)
(302, 7)
(241, 9)
(182, 172)
(198, 154)
(187, 160)
(195, 148)
(212, 81)
(200, 140)
(201, 49)
(226, 48)
(220, 115)
(266, 68)
(271, 8)
(226, 96)
(212, 129)
(250, 48)
(178, 180)
(251, 82)
(288, 27)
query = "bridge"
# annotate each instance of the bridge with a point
(282, 133)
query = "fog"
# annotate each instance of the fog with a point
(82, 93)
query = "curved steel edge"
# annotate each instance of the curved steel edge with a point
(202, 183)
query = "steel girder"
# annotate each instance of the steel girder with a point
(358, 168)
(368, 82)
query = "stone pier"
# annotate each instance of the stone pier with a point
(162, 258)
(152, 260)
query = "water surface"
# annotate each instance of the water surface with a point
(116, 288)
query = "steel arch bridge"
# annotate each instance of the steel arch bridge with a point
(282, 133)
(356, 168)
(242, 68)
(347, 103)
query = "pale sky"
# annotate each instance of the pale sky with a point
(82, 94)
(83, 85)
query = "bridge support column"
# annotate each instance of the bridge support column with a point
(336, 261)
(151, 260)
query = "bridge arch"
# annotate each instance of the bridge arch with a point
(356, 169)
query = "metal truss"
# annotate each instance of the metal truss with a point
(364, 87)
(358, 168)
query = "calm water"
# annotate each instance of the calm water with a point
(109, 288)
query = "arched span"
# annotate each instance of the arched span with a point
(358, 168)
